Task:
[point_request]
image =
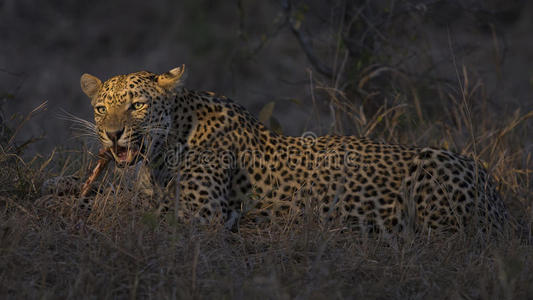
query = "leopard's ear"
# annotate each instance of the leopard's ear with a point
(90, 85)
(173, 78)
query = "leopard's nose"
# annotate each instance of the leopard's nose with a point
(114, 135)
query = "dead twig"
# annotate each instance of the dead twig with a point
(304, 41)
(103, 160)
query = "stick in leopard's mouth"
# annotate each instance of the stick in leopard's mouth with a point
(103, 159)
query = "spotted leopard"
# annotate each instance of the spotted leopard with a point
(217, 163)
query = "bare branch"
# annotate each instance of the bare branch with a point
(265, 38)
(305, 42)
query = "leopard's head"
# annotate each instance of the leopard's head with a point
(129, 110)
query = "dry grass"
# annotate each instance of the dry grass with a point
(122, 251)
(44, 256)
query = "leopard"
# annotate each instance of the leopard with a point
(211, 161)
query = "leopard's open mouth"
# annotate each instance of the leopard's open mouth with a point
(124, 156)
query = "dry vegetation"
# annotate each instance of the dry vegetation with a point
(121, 250)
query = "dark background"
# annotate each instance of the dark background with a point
(262, 51)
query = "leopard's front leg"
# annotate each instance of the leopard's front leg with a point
(198, 193)
(66, 191)
(61, 194)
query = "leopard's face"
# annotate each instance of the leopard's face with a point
(127, 107)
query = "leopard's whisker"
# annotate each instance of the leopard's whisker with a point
(79, 124)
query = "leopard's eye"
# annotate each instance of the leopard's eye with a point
(138, 105)
(101, 109)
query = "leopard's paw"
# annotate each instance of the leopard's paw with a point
(61, 186)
